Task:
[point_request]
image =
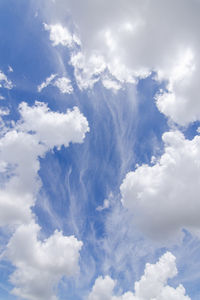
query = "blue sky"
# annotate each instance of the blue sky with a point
(99, 150)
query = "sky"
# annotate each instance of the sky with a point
(99, 150)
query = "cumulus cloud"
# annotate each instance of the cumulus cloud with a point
(134, 38)
(41, 264)
(19, 151)
(111, 84)
(87, 70)
(164, 198)
(38, 131)
(5, 82)
(52, 128)
(151, 286)
(102, 288)
(61, 35)
(62, 83)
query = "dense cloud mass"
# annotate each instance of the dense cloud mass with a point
(40, 265)
(134, 38)
(164, 197)
(151, 286)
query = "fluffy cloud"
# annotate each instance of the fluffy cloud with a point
(102, 288)
(19, 151)
(52, 128)
(138, 37)
(87, 70)
(151, 286)
(41, 264)
(38, 131)
(61, 35)
(62, 83)
(4, 82)
(164, 197)
(111, 84)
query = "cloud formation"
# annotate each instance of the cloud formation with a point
(62, 83)
(134, 38)
(5, 82)
(152, 285)
(38, 131)
(60, 35)
(39, 264)
(164, 197)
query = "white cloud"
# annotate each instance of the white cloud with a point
(2, 97)
(64, 85)
(137, 37)
(102, 288)
(61, 35)
(90, 69)
(46, 83)
(4, 82)
(111, 84)
(4, 111)
(38, 131)
(180, 103)
(20, 152)
(10, 69)
(106, 204)
(41, 264)
(52, 128)
(164, 198)
(151, 286)
(87, 70)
